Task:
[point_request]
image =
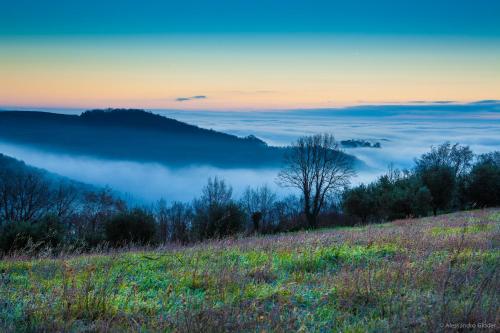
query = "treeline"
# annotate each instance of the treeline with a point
(446, 179)
(38, 212)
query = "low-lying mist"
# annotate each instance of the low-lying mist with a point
(403, 135)
(142, 182)
(403, 138)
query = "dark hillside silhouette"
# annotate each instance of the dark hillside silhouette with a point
(131, 134)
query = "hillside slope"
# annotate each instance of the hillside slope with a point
(10, 165)
(420, 275)
(129, 134)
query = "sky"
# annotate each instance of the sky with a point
(246, 55)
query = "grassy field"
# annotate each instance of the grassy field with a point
(431, 274)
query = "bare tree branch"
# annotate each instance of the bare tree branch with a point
(316, 166)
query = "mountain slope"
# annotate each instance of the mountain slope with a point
(129, 134)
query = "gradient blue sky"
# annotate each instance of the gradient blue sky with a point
(247, 54)
(393, 17)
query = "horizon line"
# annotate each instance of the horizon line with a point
(262, 109)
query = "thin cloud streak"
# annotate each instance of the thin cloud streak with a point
(183, 99)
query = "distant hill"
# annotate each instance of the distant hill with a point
(131, 134)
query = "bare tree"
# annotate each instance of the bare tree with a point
(216, 214)
(23, 196)
(316, 166)
(179, 217)
(98, 207)
(174, 221)
(216, 193)
(26, 195)
(64, 199)
(258, 204)
(161, 214)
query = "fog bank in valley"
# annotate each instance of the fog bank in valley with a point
(403, 136)
(142, 182)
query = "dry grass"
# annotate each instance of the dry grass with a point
(432, 274)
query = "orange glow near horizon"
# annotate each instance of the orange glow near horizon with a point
(245, 75)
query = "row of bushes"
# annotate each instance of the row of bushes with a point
(449, 178)
(95, 218)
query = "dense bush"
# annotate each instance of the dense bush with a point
(393, 196)
(136, 226)
(442, 171)
(218, 221)
(47, 231)
(215, 213)
(361, 202)
(443, 180)
(483, 186)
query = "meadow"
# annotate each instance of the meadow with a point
(430, 274)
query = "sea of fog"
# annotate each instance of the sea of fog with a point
(402, 137)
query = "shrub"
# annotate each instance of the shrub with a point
(393, 196)
(440, 181)
(218, 221)
(483, 187)
(136, 226)
(361, 202)
(422, 201)
(47, 231)
(215, 213)
(440, 170)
